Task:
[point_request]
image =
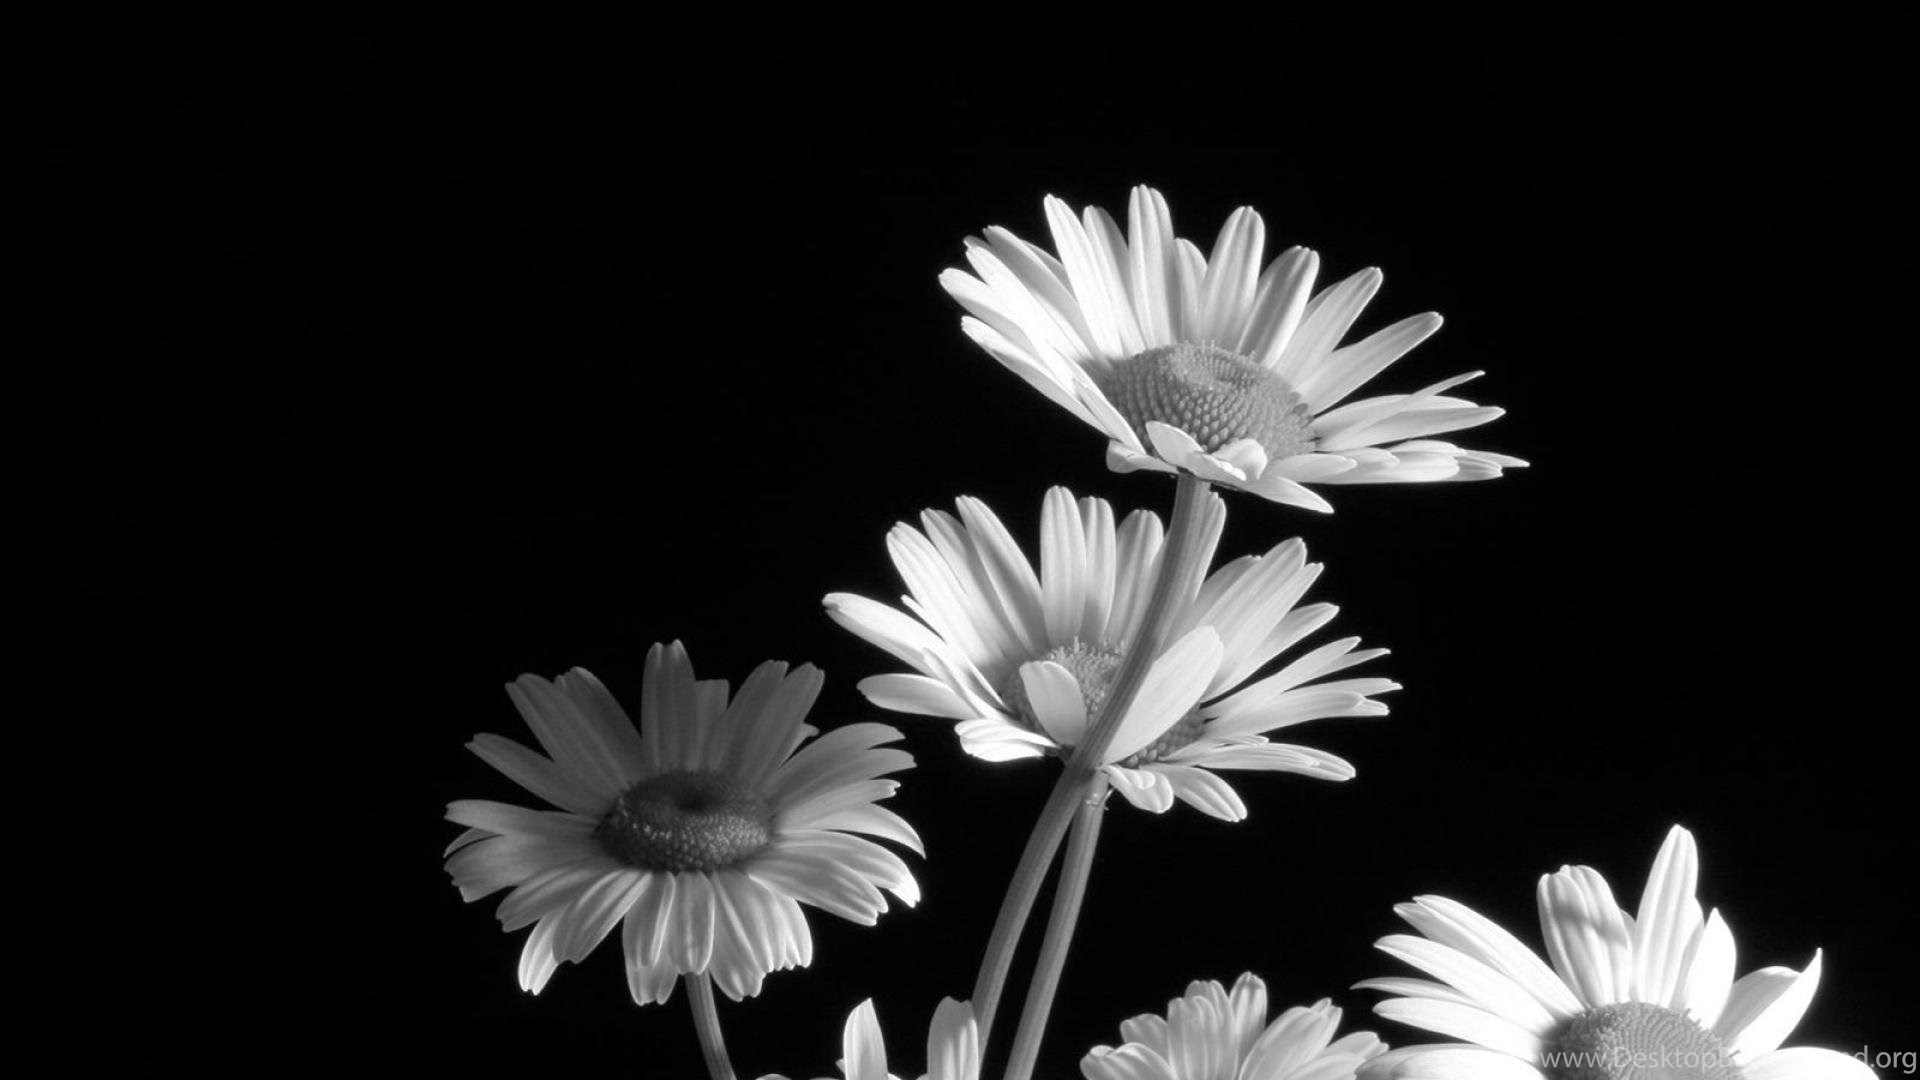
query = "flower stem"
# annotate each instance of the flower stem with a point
(1048, 830)
(1067, 897)
(1082, 778)
(706, 1021)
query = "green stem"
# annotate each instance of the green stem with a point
(1067, 898)
(706, 1021)
(1082, 777)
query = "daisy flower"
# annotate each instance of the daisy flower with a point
(1212, 365)
(704, 830)
(1214, 1035)
(953, 1045)
(1024, 661)
(1626, 997)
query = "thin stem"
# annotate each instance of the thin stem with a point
(1082, 777)
(1067, 898)
(1048, 830)
(706, 1021)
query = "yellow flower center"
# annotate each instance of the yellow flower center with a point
(1094, 667)
(1214, 395)
(682, 821)
(1637, 1041)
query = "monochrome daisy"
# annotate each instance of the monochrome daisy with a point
(1211, 1034)
(1627, 996)
(1209, 364)
(703, 831)
(953, 1045)
(1024, 660)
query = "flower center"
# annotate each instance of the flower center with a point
(1094, 667)
(684, 820)
(1637, 1041)
(1216, 396)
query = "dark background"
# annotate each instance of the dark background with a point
(398, 360)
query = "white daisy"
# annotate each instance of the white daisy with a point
(704, 830)
(1024, 661)
(953, 1045)
(1209, 364)
(1627, 998)
(1213, 1035)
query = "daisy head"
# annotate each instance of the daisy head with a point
(1210, 364)
(1213, 1034)
(953, 1045)
(700, 833)
(1627, 997)
(1024, 660)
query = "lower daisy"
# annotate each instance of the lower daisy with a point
(1214, 1035)
(1643, 997)
(1024, 661)
(953, 1045)
(704, 830)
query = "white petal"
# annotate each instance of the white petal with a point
(1278, 304)
(1486, 987)
(953, 1042)
(1064, 569)
(1056, 699)
(1777, 1019)
(1327, 318)
(1708, 976)
(1586, 935)
(916, 694)
(1668, 919)
(1203, 791)
(1172, 688)
(1462, 1022)
(1153, 271)
(1453, 923)
(1349, 368)
(864, 1048)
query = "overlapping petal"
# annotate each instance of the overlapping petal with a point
(1664, 961)
(1015, 655)
(735, 923)
(1064, 320)
(1212, 1033)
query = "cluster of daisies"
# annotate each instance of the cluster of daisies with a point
(704, 831)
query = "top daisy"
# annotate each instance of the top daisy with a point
(1211, 365)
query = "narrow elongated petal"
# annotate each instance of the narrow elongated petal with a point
(714, 899)
(1172, 688)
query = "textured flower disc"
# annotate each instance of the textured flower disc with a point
(1094, 668)
(1216, 396)
(683, 821)
(1637, 1041)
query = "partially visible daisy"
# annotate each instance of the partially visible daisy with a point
(1214, 1035)
(704, 830)
(1627, 998)
(1024, 661)
(1211, 365)
(953, 1045)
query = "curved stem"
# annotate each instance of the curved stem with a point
(1067, 898)
(706, 1021)
(1048, 830)
(1082, 778)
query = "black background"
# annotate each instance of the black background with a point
(398, 360)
